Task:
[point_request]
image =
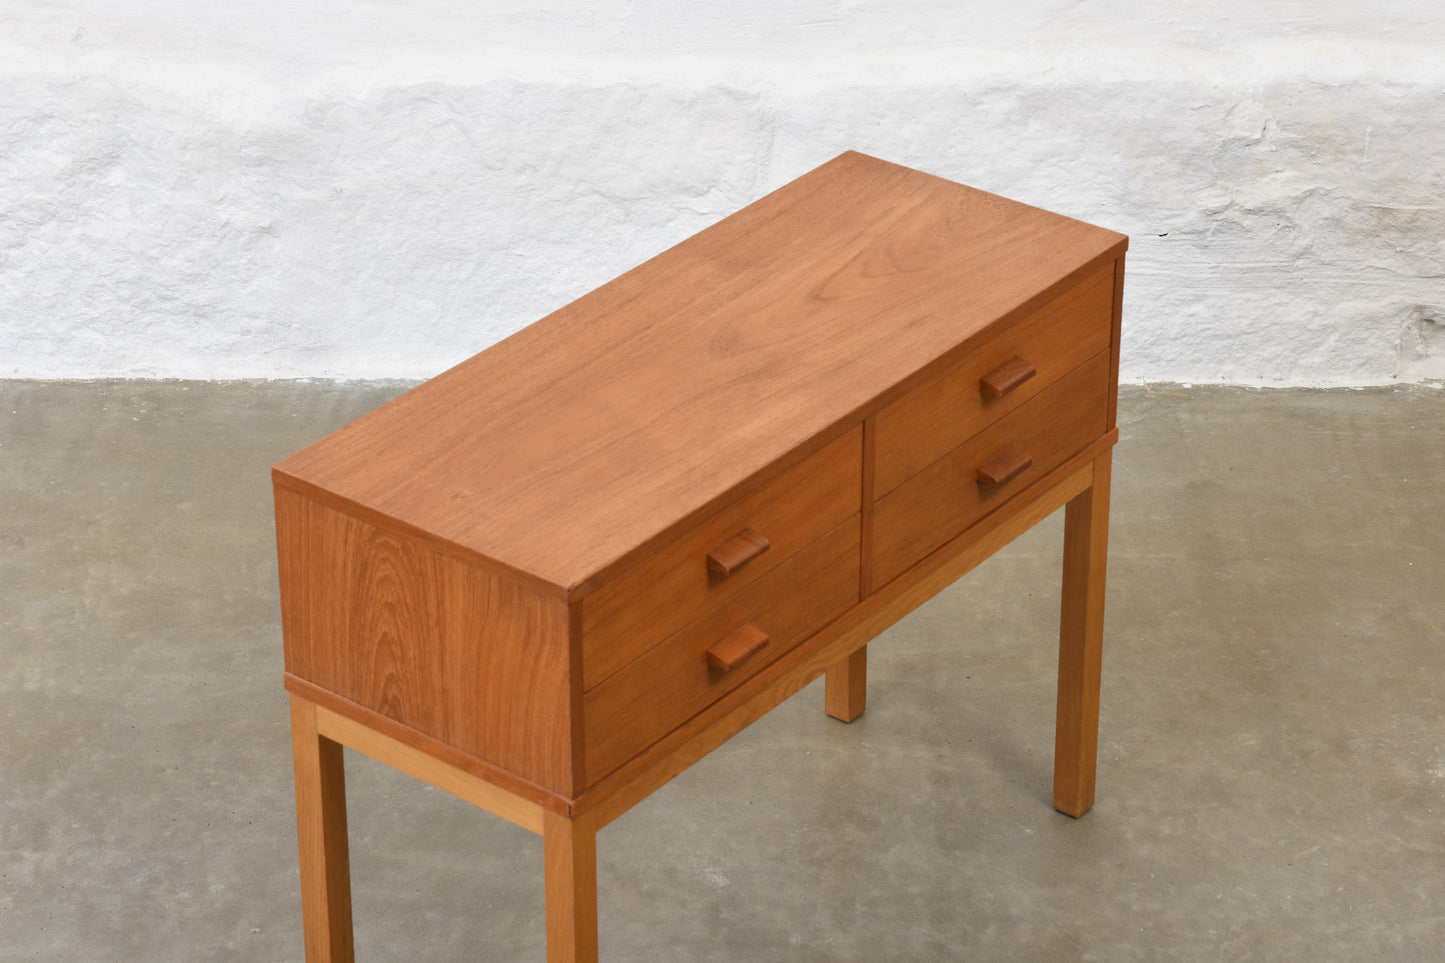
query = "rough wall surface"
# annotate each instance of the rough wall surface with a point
(327, 189)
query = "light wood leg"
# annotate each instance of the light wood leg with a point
(845, 686)
(321, 832)
(570, 861)
(1081, 637)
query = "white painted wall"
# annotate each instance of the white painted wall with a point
(335, 188)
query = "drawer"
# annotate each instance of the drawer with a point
(942, 413)
(948, 496)
(654, 598)
(675, 681)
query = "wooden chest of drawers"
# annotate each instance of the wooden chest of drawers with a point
(553, 577)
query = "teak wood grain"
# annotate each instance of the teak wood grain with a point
(737, 647)
(947, 497)
(484, 793)
(651, 696)
(845, 693)
(947, 410)
(1007, 377)
(1081, 639)
(569, 863)
(664, 591)
(839, 641)
(441, 646)
(321, 836)
(570, 448)
(553, 577)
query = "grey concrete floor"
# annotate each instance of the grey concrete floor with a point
(1272, 771)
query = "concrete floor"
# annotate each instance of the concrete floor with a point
(1272, 772)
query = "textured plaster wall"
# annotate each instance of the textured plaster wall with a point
(342, 189)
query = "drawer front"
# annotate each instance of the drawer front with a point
(675, 681)
(944, 412)
(719, 557)
(955, 491)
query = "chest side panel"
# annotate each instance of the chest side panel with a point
(429, 641)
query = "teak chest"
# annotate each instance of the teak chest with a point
(555, 576)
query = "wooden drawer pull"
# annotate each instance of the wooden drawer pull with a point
(1004, 466)
(736, 552)
(1006, 377)
(737, 648)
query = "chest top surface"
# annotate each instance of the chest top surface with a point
(561, 452)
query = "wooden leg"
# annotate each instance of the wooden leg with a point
(570, 861)
(321, 831)
(845, 687)
(1081, 636)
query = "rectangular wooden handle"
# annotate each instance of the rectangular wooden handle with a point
(1006, 377)
(1004, 466)
(737, 648)
(736, 552)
